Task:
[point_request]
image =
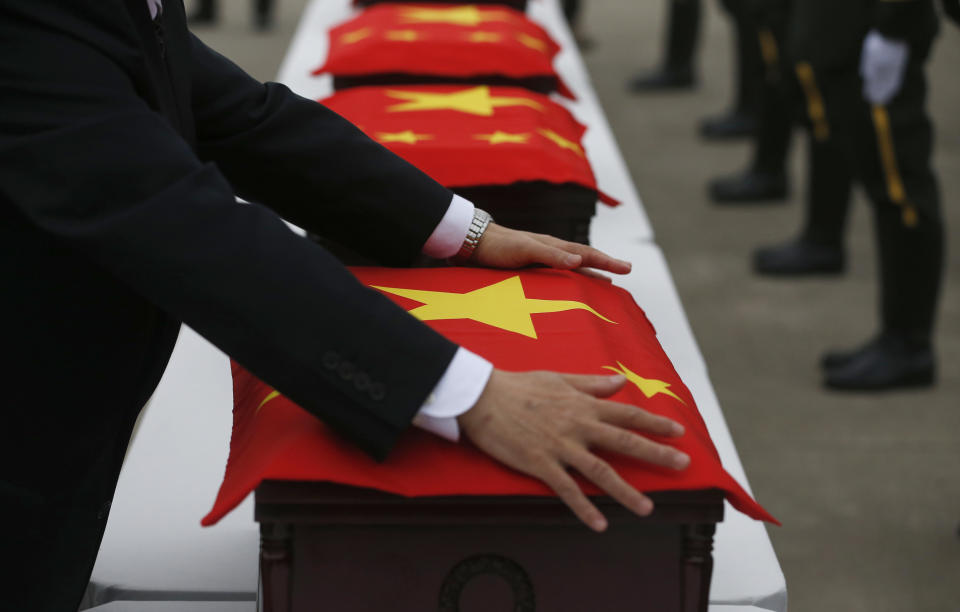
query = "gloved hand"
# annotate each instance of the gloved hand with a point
(882, 65)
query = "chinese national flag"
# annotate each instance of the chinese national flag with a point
(435, 43)
(467, 136)
(520, 5)
(526, 320)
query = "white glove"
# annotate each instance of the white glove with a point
(882, 64)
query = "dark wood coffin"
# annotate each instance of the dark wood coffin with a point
(540, 84)
(561, 210)
(333, 548)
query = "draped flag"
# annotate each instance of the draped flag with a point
(520, 5)
(431, 43)
(465, 136)
(526, 320)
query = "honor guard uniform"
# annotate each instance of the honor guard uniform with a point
(860, 65)
(766, 179)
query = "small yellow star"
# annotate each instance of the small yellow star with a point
(499, 137)
(484, 37)
(649, 386)
(533, 42)
(470, 16)
(402, 35)
(269, 397)
(475, 101)
(355, 36)
(560, 141)
(407, 137)
(502, 305)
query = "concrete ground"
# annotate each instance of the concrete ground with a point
(867, 486)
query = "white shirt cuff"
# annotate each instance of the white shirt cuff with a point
(448, 236)
(457, 391)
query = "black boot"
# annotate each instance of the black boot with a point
(749, 186)
(798, 258)
(662, 79)
(683, 27)
(889, 361)
(204, 13)
(736, 124)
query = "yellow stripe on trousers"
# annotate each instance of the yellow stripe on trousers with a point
(888, 161)
(815, 108)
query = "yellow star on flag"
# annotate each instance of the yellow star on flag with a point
(474, 101)
(402, 35)
(499, 137)
(532, 41)
(502, 305)
(355, 36)
(560, 141)
(484, 37)
(269, 397)
(649, 386)
(470, 16)
(408, 137)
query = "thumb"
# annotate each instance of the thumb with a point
(596, 385)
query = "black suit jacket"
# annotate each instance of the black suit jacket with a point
(122, 144)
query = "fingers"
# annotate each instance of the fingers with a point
(600, 473)
(631, 417)
(594, 274)
(626, 442)
(589, 256)
(594, 384)
(554, 257)
(569, 491)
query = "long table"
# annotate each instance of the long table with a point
(154, 548)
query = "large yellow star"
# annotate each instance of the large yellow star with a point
(355, 36)
(532, 41)
(474, 101)
(560, 141)
(269, 397)
(484, 37)
(499, 137)
(462, 15)
(402, 35)
(502, 305)
(408, 137)
(649, 386)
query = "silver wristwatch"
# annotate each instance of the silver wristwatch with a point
(478, 225)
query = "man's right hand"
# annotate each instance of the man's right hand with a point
(542, 423)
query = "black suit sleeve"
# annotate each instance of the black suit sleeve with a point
(87, 161)
(310, 164)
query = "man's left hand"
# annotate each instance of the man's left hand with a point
(501, 247)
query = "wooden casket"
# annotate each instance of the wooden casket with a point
(334, 548)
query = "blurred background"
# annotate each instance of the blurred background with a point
(866, 485)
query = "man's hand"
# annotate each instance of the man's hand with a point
(883, 62)
(541, 423)
(501, 247)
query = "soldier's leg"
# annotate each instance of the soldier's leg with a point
(893, 161)
(766, 179)
(677, 67)
(741, 119)
(204, 13)
(819, 247)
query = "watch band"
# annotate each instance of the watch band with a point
(478, 225)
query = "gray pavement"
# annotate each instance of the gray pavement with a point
(867, 486)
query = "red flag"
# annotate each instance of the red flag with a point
(520, 5)
(472, 136)
(527, 320)
(423, 43)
